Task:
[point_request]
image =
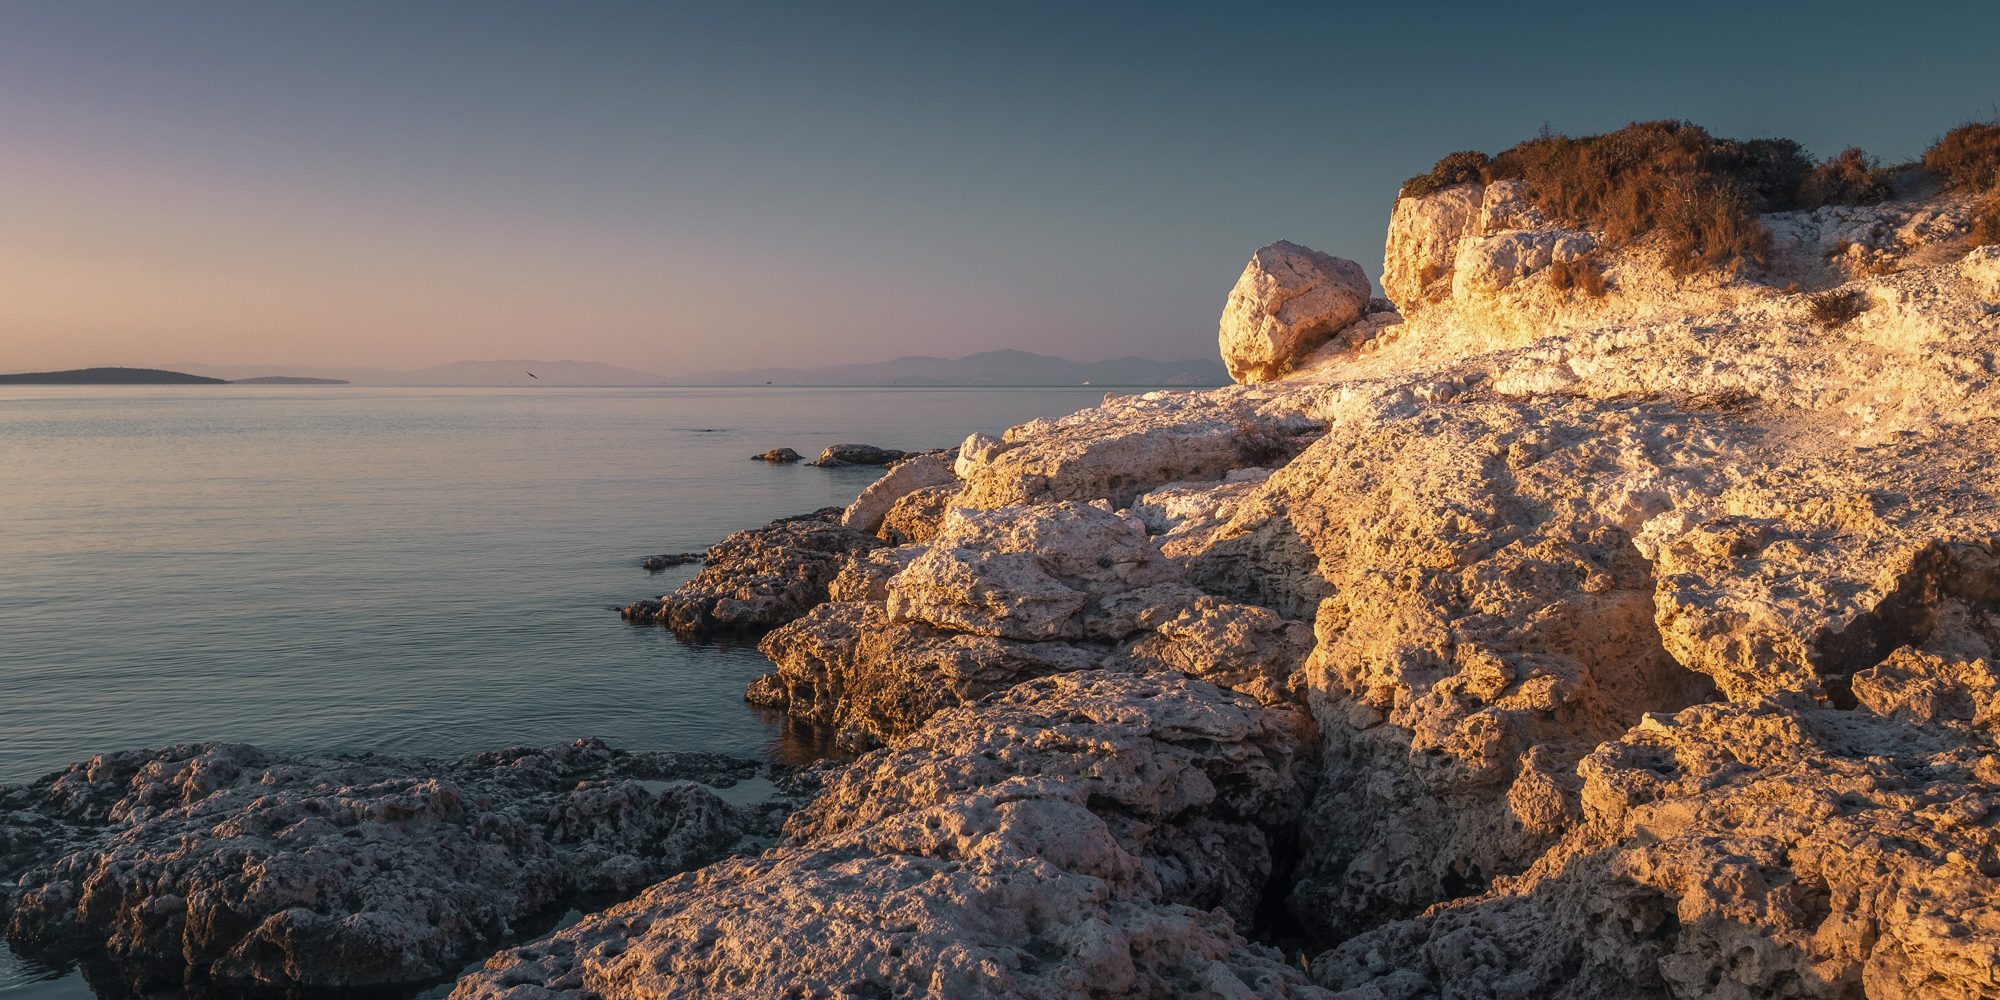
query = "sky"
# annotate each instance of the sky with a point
(685, 187)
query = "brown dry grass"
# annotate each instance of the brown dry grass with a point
(1968, 157)
(1698, 194)
(1836, 308)
(1578, 276)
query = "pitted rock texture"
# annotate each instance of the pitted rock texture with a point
(915, 517)
(1030, 574)
(1769, 849)
(758, 579)
(1133, 444)
(1289, 300)
(221, 865)
(867, 678)
(1067, 838)
(869, 509)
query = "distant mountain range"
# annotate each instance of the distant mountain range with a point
(991, 368)
(987, 368)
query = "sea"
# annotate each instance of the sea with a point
(413, 571)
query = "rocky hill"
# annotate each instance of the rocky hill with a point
(1577, 622)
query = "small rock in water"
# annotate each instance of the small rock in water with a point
(654, 564)
(858, 454)
(778, 455)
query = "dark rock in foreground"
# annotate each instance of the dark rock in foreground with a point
(218, 865)
(760, 578)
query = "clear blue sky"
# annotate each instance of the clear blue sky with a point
(680, 187)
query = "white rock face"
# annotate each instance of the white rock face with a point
(1024, 575)
(1491, 263)
(1290, 300)
(1423, 242)
(902, 479)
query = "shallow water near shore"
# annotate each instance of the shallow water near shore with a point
(415, 571)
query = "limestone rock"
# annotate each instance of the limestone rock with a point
(1027, 574)
(867, 678)
(1238, 646)
(1066, 838)
(760, 578)
(778, 456)
(903, 478)
(916, 517)
(1774, 849)
(1132, 444)
(224, 865)
(1289, 300)
(1423, 243)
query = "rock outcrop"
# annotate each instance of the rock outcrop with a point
(758, 579)
(868, 510)
(225, 866)
(1289, 300)
(858, 454)
(1078, 835)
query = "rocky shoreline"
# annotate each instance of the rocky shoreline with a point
(1494, 640)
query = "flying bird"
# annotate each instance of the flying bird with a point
(534, 376)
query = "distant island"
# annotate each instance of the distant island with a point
(151, 376)
(109, 376)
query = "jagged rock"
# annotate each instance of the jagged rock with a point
(1027, 574)
(1775, 850)
(1289, 300)
(1423, 243)
(760, 578)
(905, 477)
(859, 454)
(866, 574)
(224, 865)
(1238, 646)
(867, 678)
(1065, 838)
(916, 517)
(778, 455)
(1132, 444)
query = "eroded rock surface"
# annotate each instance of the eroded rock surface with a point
(869, 509)
(1289, 300)
(758, 579)
(1078, 835)
(224, 865)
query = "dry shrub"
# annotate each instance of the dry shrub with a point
(1467, 166)
(1836, 308)
(1968, 157)
(1577, 276)
(1986, 220)
(1699, 194)
(1852, 178)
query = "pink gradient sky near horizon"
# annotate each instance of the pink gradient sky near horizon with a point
(675, 190)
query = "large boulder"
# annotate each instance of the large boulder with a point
(1290, 300)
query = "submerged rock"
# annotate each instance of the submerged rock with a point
(654, 564)
(777, 455)
(225, 865)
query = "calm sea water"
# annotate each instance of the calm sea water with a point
(415, 571)
(400, 570)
